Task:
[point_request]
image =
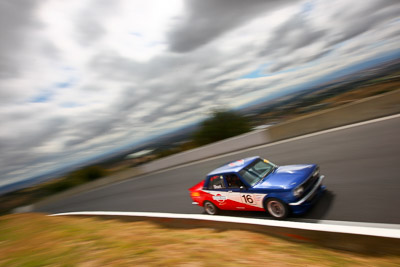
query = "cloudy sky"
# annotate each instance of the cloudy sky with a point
(79, 78)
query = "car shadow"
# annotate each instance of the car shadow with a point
(321, 207)
(314, 214)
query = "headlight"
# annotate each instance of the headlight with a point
(316, 172)
(298, 191)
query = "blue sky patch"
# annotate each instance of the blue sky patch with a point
(63, 84)
(259, 72)
(137, 34)
(307, 7)
(69, 105)
(42, 97)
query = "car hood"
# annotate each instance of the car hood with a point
(286, 177)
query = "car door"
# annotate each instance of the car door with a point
(235, 190)
(249, 200)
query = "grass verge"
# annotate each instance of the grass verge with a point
(39, 240)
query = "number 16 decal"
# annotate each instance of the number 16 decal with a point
(248, 199)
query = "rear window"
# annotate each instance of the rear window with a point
(216, 182)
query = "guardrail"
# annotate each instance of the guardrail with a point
(236, 143)
(364, 238)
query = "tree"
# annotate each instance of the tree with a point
(87, 174)
(76, 178)
(222, 125)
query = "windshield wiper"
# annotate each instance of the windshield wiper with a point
(270, 171)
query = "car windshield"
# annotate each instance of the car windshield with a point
(255, 172)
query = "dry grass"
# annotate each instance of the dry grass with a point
(38, 240)
(361, 93)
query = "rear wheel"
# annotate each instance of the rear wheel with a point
(210, 208)
(277, 208)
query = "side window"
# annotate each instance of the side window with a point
(233, 181)
(216, 182)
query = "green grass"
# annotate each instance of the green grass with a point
(39, 240)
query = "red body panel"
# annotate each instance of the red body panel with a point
(197, 187)
(223, 200)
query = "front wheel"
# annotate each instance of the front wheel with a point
(210, 208)
(277, 208)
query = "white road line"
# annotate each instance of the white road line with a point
(369, 229)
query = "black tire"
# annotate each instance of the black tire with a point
(277, 208)
(210, 208)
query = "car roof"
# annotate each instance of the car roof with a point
(234, 166)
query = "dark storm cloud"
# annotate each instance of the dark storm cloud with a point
(88, 26)
(167, 72)
(295, 33)
(36, 136)
(114, 66)
(289, 62)
(48, 49)
(208, 19)
(19, 147)
(174, 107)
(219, 83)
(355, 22)
(300, 32)
(167, 85)
(89, 130)
(89, 31)
(17, 17)
(164, 84)
(103, 122)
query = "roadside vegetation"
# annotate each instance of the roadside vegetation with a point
(38, 240)
(75, 178)
(221, 124)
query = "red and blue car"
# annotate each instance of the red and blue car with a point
(256, 184)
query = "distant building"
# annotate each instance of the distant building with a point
(139, 154)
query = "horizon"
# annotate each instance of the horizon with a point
(92, 78)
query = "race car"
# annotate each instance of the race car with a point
(256, 184)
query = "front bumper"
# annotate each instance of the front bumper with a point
(308, 200)
(310, 194)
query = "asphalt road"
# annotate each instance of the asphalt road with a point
(361, 165)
